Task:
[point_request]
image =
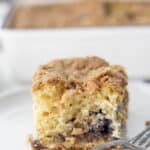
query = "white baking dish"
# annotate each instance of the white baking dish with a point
(26, 49)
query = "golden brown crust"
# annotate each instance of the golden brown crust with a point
(85, 73)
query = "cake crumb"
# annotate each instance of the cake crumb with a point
(147, 123)
(29, 138)
(118, 147)
(77, 131)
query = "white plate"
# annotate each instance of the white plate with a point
(16, 118)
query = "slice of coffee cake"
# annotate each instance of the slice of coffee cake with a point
(78, 103)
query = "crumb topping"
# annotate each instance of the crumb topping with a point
(90, 72)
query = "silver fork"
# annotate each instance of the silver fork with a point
(142, 140)
(139, 142)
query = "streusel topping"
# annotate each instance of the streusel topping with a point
(91, 70)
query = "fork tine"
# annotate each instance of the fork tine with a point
(142, 140)
(132, 147)
(139, 136)
(147, 144)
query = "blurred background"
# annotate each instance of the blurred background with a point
(34, 31)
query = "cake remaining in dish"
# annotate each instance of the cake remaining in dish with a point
(79, 103)
(82, 13)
